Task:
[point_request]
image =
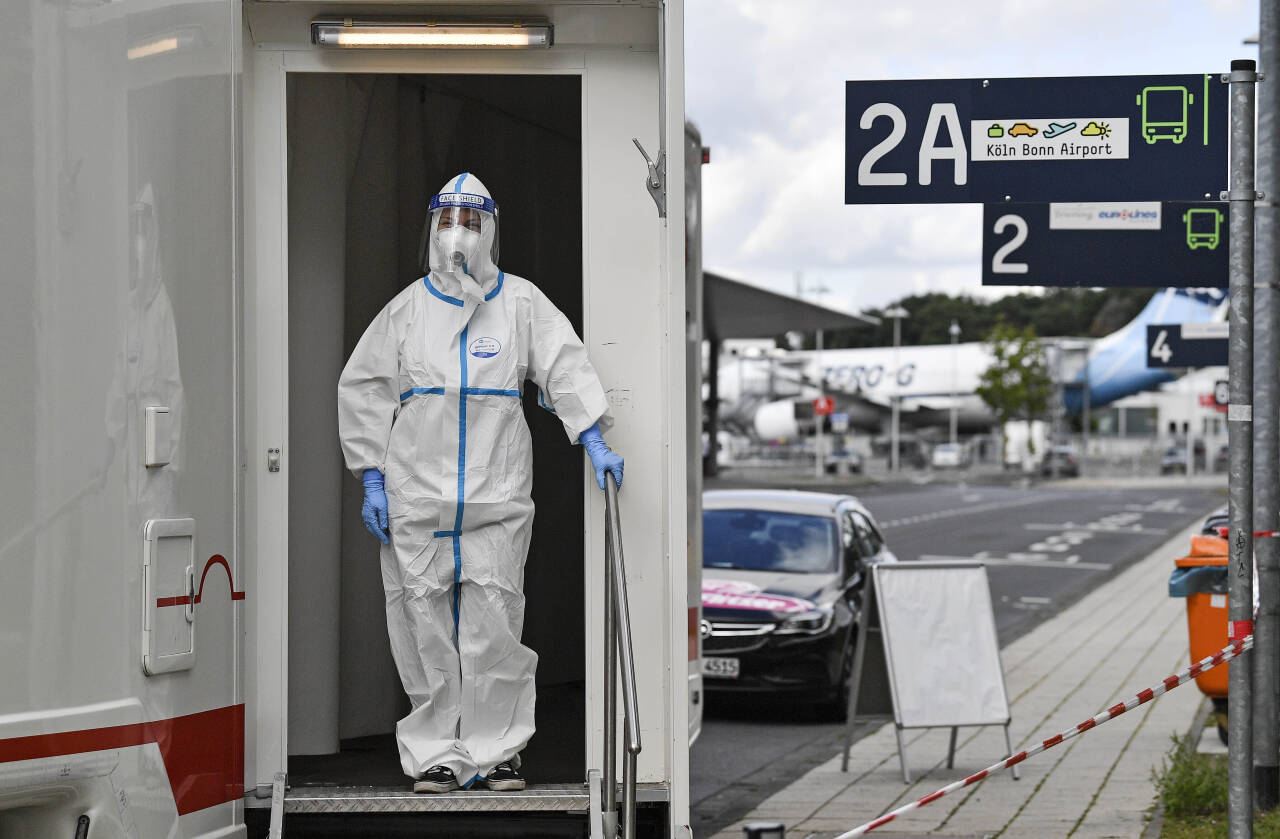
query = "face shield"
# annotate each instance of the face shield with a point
(143, 241)
(460, 228)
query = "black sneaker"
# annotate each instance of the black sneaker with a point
(436, 779)
(505, 778)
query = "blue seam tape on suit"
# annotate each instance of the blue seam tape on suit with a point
(421, 391)
(462, 479)
(470, 391)
(453, 301)
(497, 288)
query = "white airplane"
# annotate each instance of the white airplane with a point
(929, 380)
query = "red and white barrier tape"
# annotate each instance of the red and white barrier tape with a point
(1169, 683)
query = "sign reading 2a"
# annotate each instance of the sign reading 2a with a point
(1100, 138)
(930, 150)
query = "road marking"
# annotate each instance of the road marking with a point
(1096, 527)
(1164, 505)
(1037, 601)
(1028, 563)
(963, 511)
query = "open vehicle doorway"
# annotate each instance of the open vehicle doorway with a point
(365, 154)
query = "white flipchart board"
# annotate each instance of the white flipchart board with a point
(940, 644)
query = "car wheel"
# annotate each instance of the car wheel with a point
(836, 707)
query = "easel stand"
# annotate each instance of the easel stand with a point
(891, 677)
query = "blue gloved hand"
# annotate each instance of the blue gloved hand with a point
(602, 457)
(374, 511)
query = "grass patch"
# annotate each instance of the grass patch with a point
(1215, 827)
(1191, 784)
(1193, 789)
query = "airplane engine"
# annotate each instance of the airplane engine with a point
(777, 420)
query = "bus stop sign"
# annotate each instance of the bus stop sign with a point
(1099, 138)
(1107, 244)
(1186, 344)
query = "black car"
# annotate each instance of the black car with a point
(783, 574)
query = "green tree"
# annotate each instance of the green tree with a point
(1017, 384)
(1079, 312)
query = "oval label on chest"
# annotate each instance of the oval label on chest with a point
(485, 347)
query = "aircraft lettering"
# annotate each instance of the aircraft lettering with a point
(859, 376)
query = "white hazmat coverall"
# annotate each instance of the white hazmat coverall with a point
(431, 397)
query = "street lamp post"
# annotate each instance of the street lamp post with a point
(955, 338)
(897, 313)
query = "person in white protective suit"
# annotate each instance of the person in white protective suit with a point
(430, 417)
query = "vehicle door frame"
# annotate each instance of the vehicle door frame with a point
(266, 334)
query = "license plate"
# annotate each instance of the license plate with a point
(720, 668)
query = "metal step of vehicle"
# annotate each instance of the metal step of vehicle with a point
(550, 810)
(561, 798)
(556, 798)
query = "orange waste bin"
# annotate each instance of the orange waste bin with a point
(1201, 577)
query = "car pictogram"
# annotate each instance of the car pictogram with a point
(1021, 129)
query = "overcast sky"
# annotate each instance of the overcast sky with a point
(765, 85)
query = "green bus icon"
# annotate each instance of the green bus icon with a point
(1204, 227)
(1164, 112)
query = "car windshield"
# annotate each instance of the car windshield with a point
(760, 540)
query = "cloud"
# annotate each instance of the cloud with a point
(765, 84)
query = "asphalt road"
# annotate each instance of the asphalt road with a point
(1045, 547)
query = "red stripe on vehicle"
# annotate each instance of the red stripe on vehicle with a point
(203, 753)
(185, 599)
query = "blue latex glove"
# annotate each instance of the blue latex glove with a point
(602, 457)
(374, 511)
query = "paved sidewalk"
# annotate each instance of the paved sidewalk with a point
(1122, 638)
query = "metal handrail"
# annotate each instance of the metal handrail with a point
(617, 620)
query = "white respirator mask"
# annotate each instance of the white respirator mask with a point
(458, 244)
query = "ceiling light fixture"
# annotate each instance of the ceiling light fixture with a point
(393, 33)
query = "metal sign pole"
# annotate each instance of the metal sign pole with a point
(1242, 195)
(1266, 432)
(819, 460)
(859, 658)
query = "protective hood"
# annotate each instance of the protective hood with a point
(478, 275)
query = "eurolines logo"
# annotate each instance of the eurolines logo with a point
(1143, 215)
(1129, 214)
